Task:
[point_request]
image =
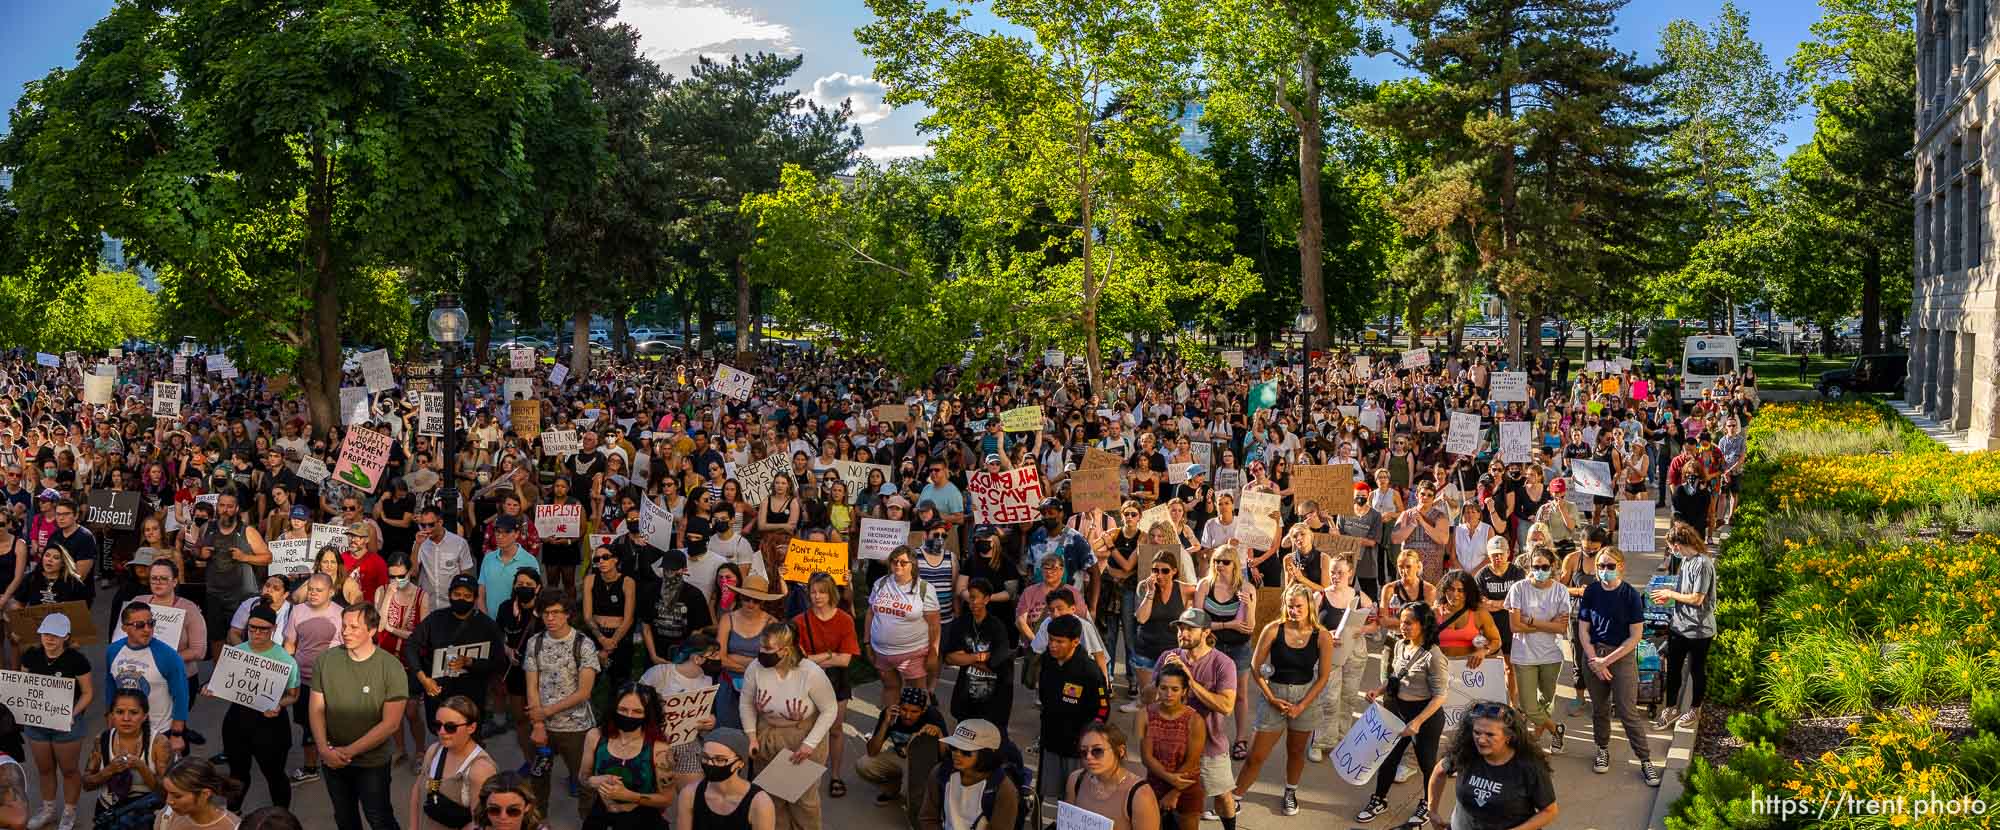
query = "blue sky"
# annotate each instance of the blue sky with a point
(38, 35)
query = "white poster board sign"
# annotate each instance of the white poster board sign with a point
(442, 658)
(250, 680)
(520, 358)
(312, 469)
(1517, 441)
(1509, 387)
(39, 700)
(291, 557)
(658, 525)
(353, 405)
(1367, 745)
(375, 371)
(559, 375)
(1256, 526)
(733, 382)
(559, 521)
(1593, 477)
(430, 414)
(1635, 526)
(1071, 817)
(166, 400)
(97, 389)
(1464, 436)
(684, 711)
(1466, 686)
(328, 535)
(880, 537)
(167, 623)
(561, 442)
(1416, 359)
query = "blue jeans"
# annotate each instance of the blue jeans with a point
(357, 791)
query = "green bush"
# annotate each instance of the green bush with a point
(1664, 343)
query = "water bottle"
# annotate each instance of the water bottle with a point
(545, 759)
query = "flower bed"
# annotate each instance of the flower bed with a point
(1860, 583)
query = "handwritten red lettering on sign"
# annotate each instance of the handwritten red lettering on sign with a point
(1007, 497)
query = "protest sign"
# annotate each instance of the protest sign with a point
(684, 712)
(442, 658)
(1228, 480)
(1071, 817)
(312, 469)
(1416, 359)
(375, 371)
(1367, 744)
(167, 623)
(353, 405)
(53, 362)
(1466, 686)
(560, 442)
(520, 358)
(1609, 386)
(657, 523)
(755, 477)
(1336, 544)
(1635, 526)
(116, 509)
(1593, 477)
(733, 382)
(854, 474)
(1095, 459)
(249, 680)
(1517, 442)
(526, 418)
(1641, 390)
(1022, 419)
(804, 558)
(22, 622)
(1256, 511)
(1005, 497)
(559, 521)
(1156, 515)
(328, 535)
(1233, 358)
(788, 781)
(1464, 436)
(180, 365)
(891, 414)
(1509, 387)
(291, 557)
(880, 537)
(518, 389)
(215, 362)
(39, 700)
(1094, 489)
(430, 414)
(363, 455)
(166, 400)
(1331, 486)
(1052, 358)
(1178, 473)
(97, 389)
(1204, 454)
(559, 375)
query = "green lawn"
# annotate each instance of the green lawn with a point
(1777, 371)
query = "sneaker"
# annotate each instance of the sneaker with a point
(220, 760)
(1288, 805)
(1209, 815)
(1602, 763)
(304, 774)
(1646, 770)
(1315, 754)
(1575, 706)
(1667, 716)
(1372, 810)
(1405, 772)
(1556, 740)
(1689, 719)
(1129, 707)
(68, 821)
(1422, 816)
(886, 799)
(43, 816)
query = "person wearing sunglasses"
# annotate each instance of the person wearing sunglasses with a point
(724, 799)
(441, 554)
(1105, 787)
(261, 736)
(139, 659)
(506, 802)
(610, 600)
(1503, 777)
(454, 770)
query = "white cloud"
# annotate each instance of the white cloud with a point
(679, 29)
(885, 153)
(864, 92)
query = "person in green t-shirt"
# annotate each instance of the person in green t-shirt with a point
(358, 696)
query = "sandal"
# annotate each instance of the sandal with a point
(1240, 752)
(836, 788)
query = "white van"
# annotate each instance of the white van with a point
(1705, 359)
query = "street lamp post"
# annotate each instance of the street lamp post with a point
(187, 367)
(447, 328)
(1306, 324)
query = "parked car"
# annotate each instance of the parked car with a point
(1868, 373)
(657, 347)
(523, 342)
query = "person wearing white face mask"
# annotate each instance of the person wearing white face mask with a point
(1539, 611)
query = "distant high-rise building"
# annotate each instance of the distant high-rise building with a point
(1193, 136)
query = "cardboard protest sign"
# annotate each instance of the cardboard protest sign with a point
(328, 536)
(249, 680)
(1337, 544)
(1367, 745)
(166, 400)
(1509, 387)
(291, 557)
(1159, 514)
(658, 525)
(733, 382)
(891, 414)
(561, 442)
(1331, 486)
(22, 622)
(804, 558)
(117, 509)
(1517, 442)
(755, 477)
(1416, 359)
(559, 521)
(1094, 489)
(1094, 458)
(430, 414)
(1257, 526)
(1593, 477)
(1464, 436)
(1006, 497)
(353, 405)
(880, 537)
(1022, 419)
(1464, 687)
(375, 371)
(97, 389)
(1635, 526)
(312, 469)
(684, 712)
(363, 455)
(39, 700)
(520, 358)
(559, 375)
(854, 474)
(526, 419)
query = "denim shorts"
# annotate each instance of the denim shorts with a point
(51, 736)
(1144, 663)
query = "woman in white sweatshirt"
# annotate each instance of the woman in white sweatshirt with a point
(788, 707)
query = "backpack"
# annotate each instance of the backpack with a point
(1014, 767)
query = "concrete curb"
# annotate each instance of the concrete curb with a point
(1679, 757)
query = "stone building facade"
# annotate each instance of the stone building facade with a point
(1955, 313)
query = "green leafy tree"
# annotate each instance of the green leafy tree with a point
(99, 310)
(1077, 199)
(277, 163)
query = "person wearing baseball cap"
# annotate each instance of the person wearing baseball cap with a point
(975, 764)
(888, 752)
(496, 570)
(455, 629)
(1212, 692)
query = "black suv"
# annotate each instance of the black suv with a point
(1868, 373)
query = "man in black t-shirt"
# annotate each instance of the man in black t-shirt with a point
(1498, 574)
(677, 610)
(74, 538)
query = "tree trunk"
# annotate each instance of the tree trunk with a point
(1828, 344)
(707, 322)
(1093, 350)
(1871, 299)
(1312, 228)
(579, 339)
(742, 309)
(619, 339)
(321, 352)
(478, 306)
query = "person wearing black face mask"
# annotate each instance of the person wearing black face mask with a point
(456, 649)
(725, 799)
(624, 761)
